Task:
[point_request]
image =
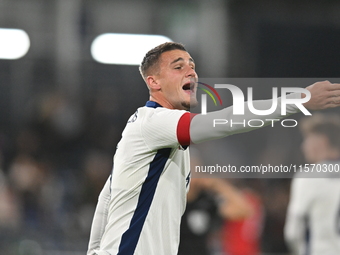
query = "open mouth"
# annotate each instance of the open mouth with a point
(189, 86)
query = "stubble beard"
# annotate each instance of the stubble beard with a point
(188, 105)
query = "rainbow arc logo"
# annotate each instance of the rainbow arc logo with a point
(211, 93)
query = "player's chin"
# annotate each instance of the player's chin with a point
(192, 103)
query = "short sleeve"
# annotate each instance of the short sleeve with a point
(166, 128)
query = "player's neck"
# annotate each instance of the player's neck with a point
(161, 101)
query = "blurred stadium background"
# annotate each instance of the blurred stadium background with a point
(62, 113)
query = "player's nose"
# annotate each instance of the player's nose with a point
(191, 73)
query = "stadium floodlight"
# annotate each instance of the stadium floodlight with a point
(124, 49)
(14, 43)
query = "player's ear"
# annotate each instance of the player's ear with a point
(153, 83)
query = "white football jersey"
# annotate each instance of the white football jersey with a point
(140, 207)
(313, 216)
(148, 187)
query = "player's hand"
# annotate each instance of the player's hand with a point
(323, 95)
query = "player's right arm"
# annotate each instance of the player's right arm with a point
(324, 95)
(218, 124)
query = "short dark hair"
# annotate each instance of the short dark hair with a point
(151, 58)
(324, 124)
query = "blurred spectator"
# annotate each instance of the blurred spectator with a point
(97, 166)
(275, 198)
(313, 217)
(57, 129)
(104, 117)
(10, 215)
(38, 192)
(242, 236)
(209, 200)
(52, 169)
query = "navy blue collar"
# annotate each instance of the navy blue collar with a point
(152, 104)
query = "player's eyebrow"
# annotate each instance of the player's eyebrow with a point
(181, 59)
